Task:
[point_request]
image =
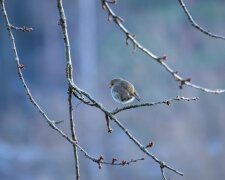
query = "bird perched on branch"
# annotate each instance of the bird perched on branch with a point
(123, 91)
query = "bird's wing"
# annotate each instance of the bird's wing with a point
(130, 89)
(122, 92)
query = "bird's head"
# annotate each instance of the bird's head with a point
(113, 82)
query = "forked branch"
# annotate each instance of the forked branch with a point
(88, 99)
(52, 123)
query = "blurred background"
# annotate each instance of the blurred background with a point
(189, 136)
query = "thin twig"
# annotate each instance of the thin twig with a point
(100, 159)
(80, 92)
(19, 69)
(162, 171)
(161, 60)
(69, 75)
(24, 28)
(131, 137)
(196, 25)
(73, 133)
(167, 102)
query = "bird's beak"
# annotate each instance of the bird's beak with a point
(110, 86)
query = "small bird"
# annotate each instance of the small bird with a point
(123, 91)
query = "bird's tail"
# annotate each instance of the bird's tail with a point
(136, 95)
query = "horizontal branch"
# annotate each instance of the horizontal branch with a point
(114, 162)
(196, 25)
(24, 28)
(160, 59)
(167, 102)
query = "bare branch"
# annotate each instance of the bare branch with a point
(19, 68)
(58, 122)
(162, 171)
(100, 159)
(51, 123)
(167, 102)
(87, 99)
(195, 25)
(131, 137)
(24, 28)
(107, 123)
(69, 75)
(20, 74)
(161, 60)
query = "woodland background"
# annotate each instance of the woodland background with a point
(189, 136)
